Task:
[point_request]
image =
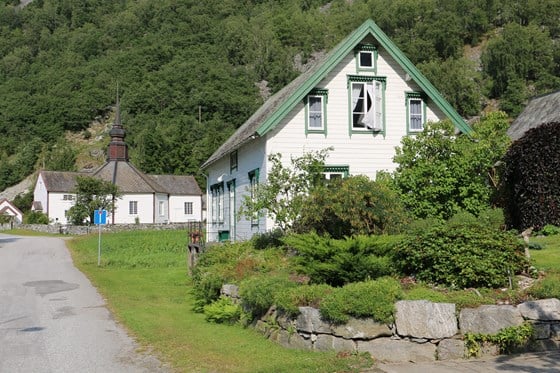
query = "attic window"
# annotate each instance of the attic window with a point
(233, 162)
(366, 57)
(367, 105)
(415, 112)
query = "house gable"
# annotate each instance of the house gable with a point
(275, 109)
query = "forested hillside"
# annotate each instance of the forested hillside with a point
(190, 72)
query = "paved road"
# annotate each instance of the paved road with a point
(53, 320)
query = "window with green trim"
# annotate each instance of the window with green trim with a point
(366, 57)
(217, 193)
(253, 186)
(335, 172)
(233, 161)
(415, 112)
(367, 103)
(316, 111)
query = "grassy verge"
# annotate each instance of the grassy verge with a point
(548, 258)
(143, 277)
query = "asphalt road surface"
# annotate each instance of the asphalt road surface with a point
(53, 320)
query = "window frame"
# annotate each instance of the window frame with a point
(233, 161)
(253, 176)
(188, 208)
(161, 208)
(217, 193)
(416, 96)
(363, 49)
(68, 197)
(323, 95)
(132, 207)
(329, 170)
(378, 102)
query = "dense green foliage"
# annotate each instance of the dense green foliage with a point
(461, 254)
(530, 181)
(35, 217)
(187, 71)
(223, 311)
(440, 172)
(352, 206)
(92, 194)
(375, 299)
(339, 262)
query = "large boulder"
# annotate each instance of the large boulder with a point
(543, 309)
(425, 319)
(489, 319)
(327, 342)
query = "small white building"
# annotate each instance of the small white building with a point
(9, 209)
(361, 99)
(144, 198)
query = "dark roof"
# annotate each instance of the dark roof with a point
(61, 181)
(178, 184)
(540, 110)
(128, 178)
(279, 105)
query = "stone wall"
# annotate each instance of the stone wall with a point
(79, 230)
(423, 330)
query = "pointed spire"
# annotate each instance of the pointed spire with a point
(118, 150)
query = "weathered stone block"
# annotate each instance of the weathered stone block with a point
(541, 331)
(389, 350)
(425, 319)
(230, 290)
(543, 309)
(555, 332)
(489, 319)
(361, 329)
(327, 342)
(450, 349)
(309, 320)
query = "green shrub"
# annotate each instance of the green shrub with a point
(301, 296)
(259, 293)
(507, 339)
(268, 239)
(461, 256)
(550, 230)
(338, 262)
(548, 287)
(35, 217)
(373, 299)
(223, 311)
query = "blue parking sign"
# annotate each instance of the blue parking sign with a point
(100, 217)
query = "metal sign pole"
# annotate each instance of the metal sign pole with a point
(99, 246)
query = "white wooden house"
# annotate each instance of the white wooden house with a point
(145, 198)
(9, 209)
(361, 99)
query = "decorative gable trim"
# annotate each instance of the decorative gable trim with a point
(339, 52)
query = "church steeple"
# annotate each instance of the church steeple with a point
(118, 150)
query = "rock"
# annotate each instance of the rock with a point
(389, 350)
(361, 329)
(543, 309)
(555, 332)
(489, 319)
(425, 319)
(450, 349)
(309, 320)
(292, 340)
(541, 331)
(230, 290)
(327, 342)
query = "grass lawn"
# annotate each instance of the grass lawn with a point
(143, 277)
(549, 257)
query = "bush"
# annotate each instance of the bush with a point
(373, 299)
(530, 182)
(35, 217)
(338, 262)
(353, 206)
(259, 293)
(223, 311)
(267, 240)
(302, 296)
(550, 230)
(461, 256)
